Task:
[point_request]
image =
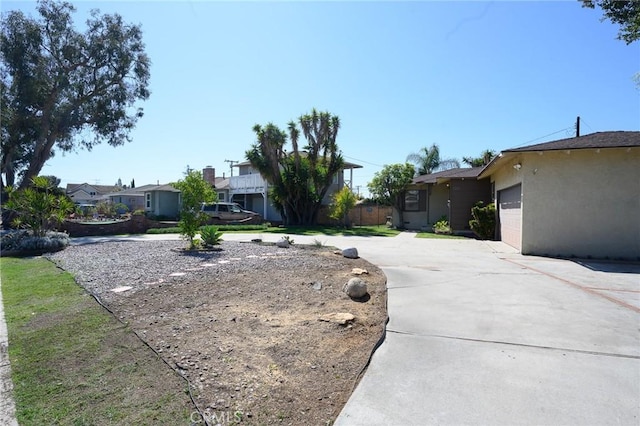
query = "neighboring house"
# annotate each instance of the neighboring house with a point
(450, 194)
(162, 200)
(220, 184)
(251, 191)
(133, 198)
(571, 197)
(84, 193)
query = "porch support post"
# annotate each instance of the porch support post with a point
(264, 200)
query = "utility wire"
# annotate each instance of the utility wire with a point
(586, 124)
(362, 161)
(546, 136)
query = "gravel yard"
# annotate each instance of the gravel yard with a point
(247, 325)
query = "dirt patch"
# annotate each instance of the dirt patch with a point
(258, 345)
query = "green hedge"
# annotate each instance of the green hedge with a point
(221, 228)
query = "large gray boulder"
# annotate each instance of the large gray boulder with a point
(355, 288)
(350, 252)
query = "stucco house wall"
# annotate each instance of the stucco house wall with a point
(581, 202)
(164, 201)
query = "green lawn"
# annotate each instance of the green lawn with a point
(73, 363)
(433, 235)
(361, 231)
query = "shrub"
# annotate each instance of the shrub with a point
(121, 208)
(38, 206)
(442, 226)
(210, 235)
(483, 223)
(288, 239)
(342, 201)
(106, 209)
(24, 240)
(194, 191)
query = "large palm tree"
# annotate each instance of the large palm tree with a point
(485, 158)
(428, 160)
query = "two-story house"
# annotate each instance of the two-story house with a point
(86, 194)
(251, 191)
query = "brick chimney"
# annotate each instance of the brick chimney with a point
(209, 175)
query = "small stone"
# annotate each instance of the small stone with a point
(317, 286)
(359, 271)
(355, 288)
(350, 252)
(282, 243)
(338, 317)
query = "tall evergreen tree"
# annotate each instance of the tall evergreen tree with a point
(62, 89)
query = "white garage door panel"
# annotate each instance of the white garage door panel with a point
(511, 216)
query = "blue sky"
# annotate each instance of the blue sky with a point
(468, 76)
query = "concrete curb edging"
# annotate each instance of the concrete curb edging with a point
(7, 405)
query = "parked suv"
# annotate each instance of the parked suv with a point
(228, 212)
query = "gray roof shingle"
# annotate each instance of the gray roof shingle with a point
(457, 173)
(618, 139)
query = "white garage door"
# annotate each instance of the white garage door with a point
(510, 213)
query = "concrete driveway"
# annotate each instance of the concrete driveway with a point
(481, 335)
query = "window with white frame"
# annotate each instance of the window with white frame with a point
(148, 200)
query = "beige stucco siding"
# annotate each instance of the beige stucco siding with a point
(579, 203)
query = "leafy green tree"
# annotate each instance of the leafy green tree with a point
(429, 161)
(62, 89)
(624, 13)
(341, 202)
(484, 158)
(39, 206)
(299, 179)
(194, 191)
(390, 184)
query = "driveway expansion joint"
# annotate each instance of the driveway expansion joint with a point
(522, 345)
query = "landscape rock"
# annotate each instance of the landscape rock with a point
(341, 318)
(359, 271)
(350, 252)
(355, 288)
(282, 243)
